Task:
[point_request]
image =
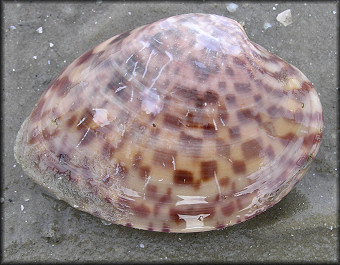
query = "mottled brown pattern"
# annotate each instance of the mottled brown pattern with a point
(164, 157)
(234, 132)
(257, 97)
(190, 144)
(224, 182)
(242, 87)
(183, 177)
(239, 166)
(144, 172)
(141, 210)
(171, 121)
(108, 151)
(208, 170)
(228, 209)
(222, 148)
(151, 191)
(211, 97)
(231, 99)
(63, 86)
(209, 129)
(222, 85)
(85, 57)
(181, 125)
(251, 149)
(270, 152)
(185, 92)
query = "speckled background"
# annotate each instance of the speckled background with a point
(38, 227)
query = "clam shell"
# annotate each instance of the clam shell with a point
(182, 125)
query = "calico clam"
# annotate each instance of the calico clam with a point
(182, 125)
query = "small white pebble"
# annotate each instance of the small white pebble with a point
(64, 61)
(109, 17)
(49, 62)
(334, 12)
(232, 7)
(39, 30)
(35, 57)
(141, 245)
(51, 44)
(267, 25)
(13, 70)
(14, 165)
(95, 22)
(274, 8)
(129, 13)
(22, 207)
(15, 191)
(335, 169)
(75, 206)
(285, 17)
(13, 27)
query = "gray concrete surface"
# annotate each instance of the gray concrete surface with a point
(37, 227)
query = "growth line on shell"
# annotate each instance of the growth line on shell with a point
(146, 184)
(83, 137)
(215, 125)
(134, 69)
(81, 121)
(218, 185)
(147, 63)
(159, 74)
(222, 122)
(131, 99)
(173, 162)
(120, 88)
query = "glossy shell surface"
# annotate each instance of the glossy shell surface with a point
(182, 125)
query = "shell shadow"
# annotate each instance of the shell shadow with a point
(293, 203)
